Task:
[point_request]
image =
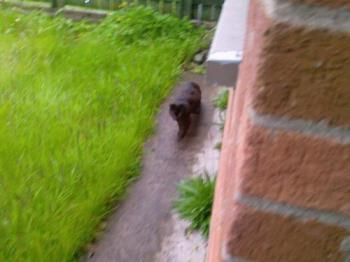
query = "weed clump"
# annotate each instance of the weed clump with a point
(195, 202)
(221, 100)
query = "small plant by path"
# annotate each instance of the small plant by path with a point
(221, 103)
(221, 100)
(218, 146)
(195, 202)
(199, 69)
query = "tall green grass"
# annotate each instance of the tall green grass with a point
(77, 102)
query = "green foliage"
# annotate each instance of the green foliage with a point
(218, 146)
(221, 100)
(140, 24)
(77, 101)
(198, 69)
(195, 202)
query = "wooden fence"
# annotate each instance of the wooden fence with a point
(203, 10)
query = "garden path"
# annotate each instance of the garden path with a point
(144, 222)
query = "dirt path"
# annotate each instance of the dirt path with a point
(142, 223)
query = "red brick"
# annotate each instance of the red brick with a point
(223, 205)
(296, 168)
(281, 166)
(261, 236)
(225, 184)
(326, 3)
(302, 73)
(290, 167)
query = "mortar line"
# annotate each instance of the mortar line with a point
(227, 257)
(300, 213)
(312, 16)
(307, 127)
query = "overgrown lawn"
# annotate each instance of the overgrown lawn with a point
(77, 101)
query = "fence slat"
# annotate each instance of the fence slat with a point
(182, 8)
(199, 13)
(54, 4)
(161, 6)
(212, 12)
(174, 7)
(193, 9)
(188, 8)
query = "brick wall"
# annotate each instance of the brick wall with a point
(283, 191)
(325, 3)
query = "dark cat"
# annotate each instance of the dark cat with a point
(187, 103)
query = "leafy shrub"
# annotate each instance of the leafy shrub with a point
(138, 24)
(195, 202)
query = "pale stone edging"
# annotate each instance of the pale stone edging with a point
(226, 51)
